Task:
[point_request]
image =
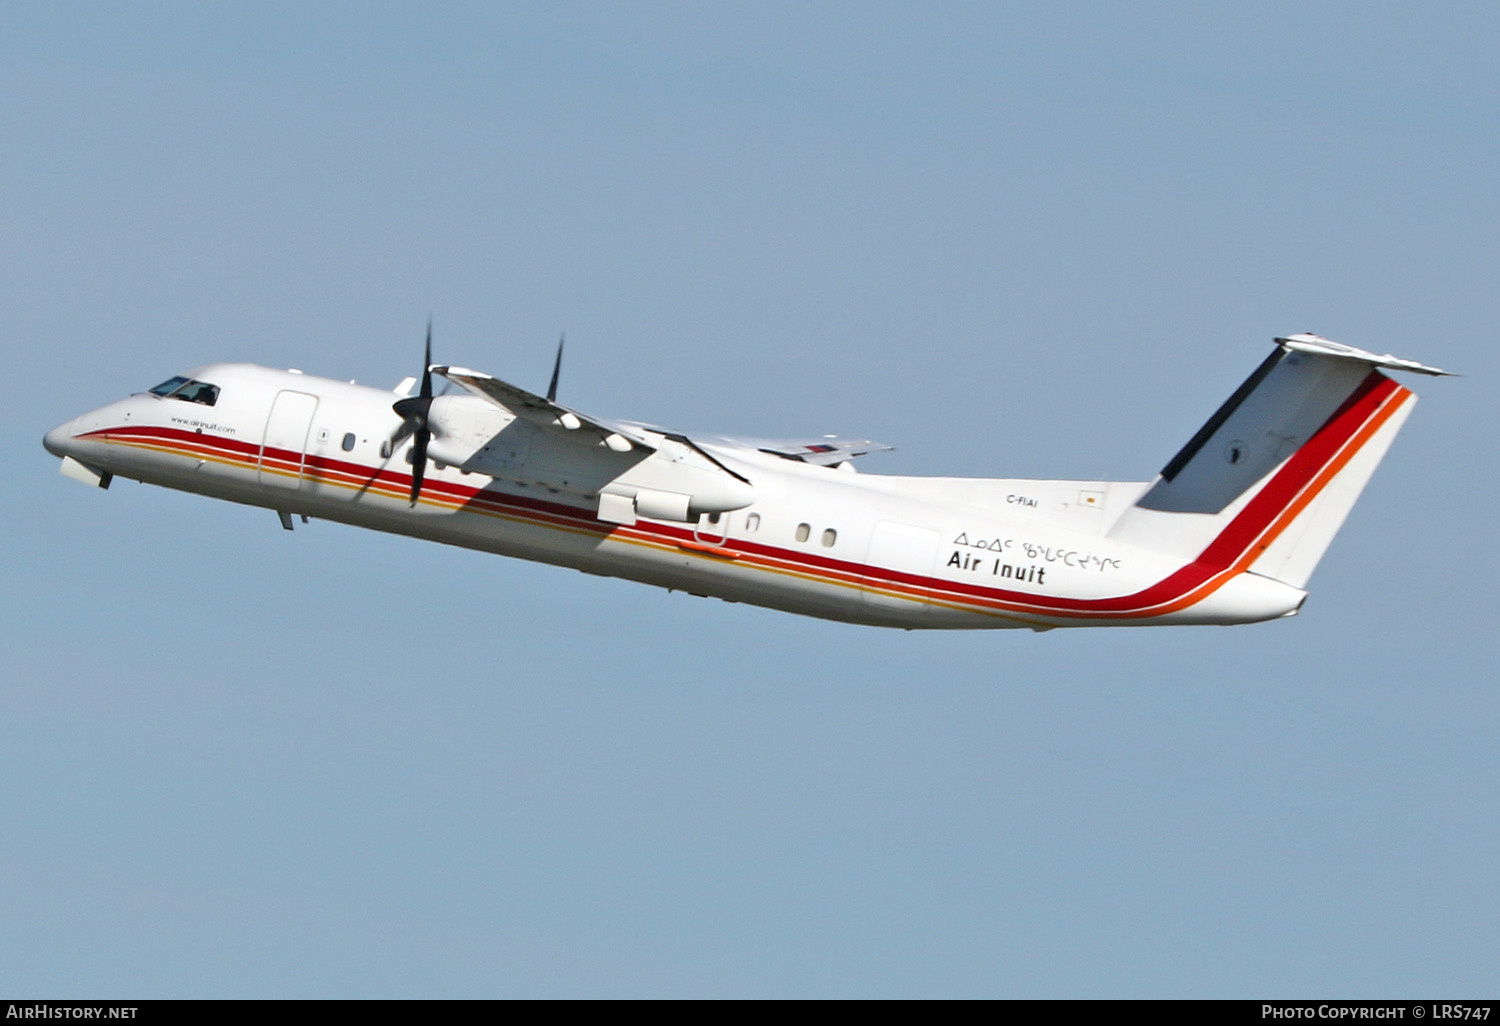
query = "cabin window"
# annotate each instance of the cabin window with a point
(829, 537)
(752, 522)
(803, 531)
(188, 390)
(385, 449)
(348, 443)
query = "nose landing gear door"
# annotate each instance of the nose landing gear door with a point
(283, 449)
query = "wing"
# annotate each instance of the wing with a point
(623, 435)
(617, 435)
(825, 451)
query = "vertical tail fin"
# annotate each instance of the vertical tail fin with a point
(1266, 483)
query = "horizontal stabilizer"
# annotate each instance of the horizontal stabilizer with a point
(824, 451)
(1327, 347)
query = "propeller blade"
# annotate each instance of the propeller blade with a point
(426, 392)
(556, 367)
(418, 464)
(402, 433)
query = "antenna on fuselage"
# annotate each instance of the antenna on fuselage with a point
(556, 367)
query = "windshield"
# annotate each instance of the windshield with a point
(169, 386)
(188, 390)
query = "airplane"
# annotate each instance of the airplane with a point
(1228, 532)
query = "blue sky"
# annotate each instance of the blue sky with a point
(1041, 240)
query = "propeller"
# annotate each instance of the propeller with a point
(413, 411)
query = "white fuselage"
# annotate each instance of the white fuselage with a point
(863, 548)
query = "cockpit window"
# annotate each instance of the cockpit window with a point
(169, 386)
(188, 390)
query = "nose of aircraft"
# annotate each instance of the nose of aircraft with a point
(58, 438)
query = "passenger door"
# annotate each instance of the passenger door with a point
(897, 552)
(283, 448)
